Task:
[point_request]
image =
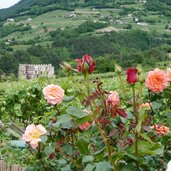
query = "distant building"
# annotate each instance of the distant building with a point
(29, 19)
(143, 1)
(71, 15)
(32, 71)
(169, 27)
(120, 22)
(129, 15)
(136, 19)
(142, 24)
(10, 20)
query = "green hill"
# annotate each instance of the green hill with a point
(50, 31)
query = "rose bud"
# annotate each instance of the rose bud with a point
(86, 64)
(118, 69)
(66, 67)
(132, 75)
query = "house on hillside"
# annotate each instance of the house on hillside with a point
(29, 19)
(33, 71)
(142, 24)
(9, 20)
(71, 15)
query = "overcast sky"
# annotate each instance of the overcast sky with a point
(7, 3)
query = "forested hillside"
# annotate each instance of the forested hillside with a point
(51, 31)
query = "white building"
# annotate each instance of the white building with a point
(32, 71)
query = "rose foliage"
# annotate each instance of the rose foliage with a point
(86, 124)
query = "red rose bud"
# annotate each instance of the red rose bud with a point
(86, 64)
(51, 156)
(132, 75)
(130, 141)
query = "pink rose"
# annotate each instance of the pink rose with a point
(113, 99)
(54, 94)
(86, 125)
(33, 133)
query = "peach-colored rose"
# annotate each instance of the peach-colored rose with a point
(33, 133)
(161, 130)
(168, 74)
(113, 99)
(84, 126)
(156, 80)
(54, 94)
(145, 105)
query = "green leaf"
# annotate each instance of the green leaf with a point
(76, 112)
(66, 168)
(87, 159)
(44, 138)
(103, 166)
(68, 99)
(156, 105)
(67, 148)
(89, 167)
(146, 138)
(145, 148)
(67, 125)
(48, 150)
(62, 162)
(29, 169)
(84, 120)
(129, 167)
(83, 146)
(17, 109)
(62, 119)
(18, 143)
(131, 156)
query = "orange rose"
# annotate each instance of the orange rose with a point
(54, 94)
(156, 80)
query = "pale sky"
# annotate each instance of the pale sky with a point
(7, 3)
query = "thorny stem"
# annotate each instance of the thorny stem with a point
(68, 157)
(136, 122)
(106, 140)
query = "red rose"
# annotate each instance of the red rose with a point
(132, 75)
(86, 64)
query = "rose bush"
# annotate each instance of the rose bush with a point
(95, 126)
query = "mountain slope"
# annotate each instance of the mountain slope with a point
(31, 7)
(38, 7)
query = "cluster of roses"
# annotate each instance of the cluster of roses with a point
(156, 81)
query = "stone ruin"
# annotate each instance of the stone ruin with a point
(33, 71)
